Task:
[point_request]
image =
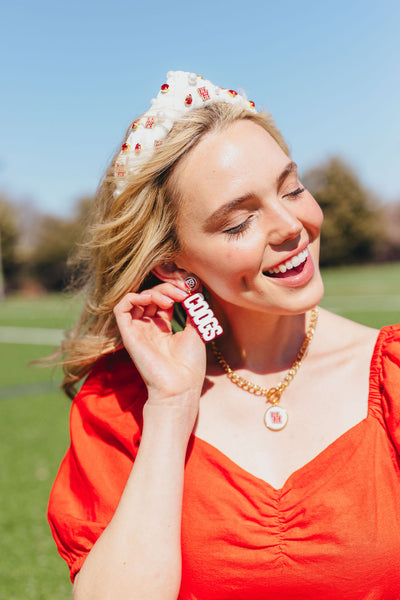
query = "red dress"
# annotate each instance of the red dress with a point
(331, 532)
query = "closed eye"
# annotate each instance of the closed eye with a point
(297, 192)
(239, 229)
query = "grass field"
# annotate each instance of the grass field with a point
(34, 422)
(33, 439)
(367, 294)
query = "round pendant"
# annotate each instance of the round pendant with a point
(275, 418)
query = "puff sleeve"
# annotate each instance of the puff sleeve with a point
(105, 429)
(390, 382)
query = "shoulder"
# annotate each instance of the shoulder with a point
(385, 371)
(387, 359)
(342, 337)
(389, 341)
(342, 333)
(112, 389)
(346, 341)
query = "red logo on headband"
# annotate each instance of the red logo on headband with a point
(203, 93)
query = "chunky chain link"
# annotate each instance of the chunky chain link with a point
(273, 395)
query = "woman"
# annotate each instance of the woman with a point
(180, 480)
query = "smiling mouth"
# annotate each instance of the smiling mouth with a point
(291, 267)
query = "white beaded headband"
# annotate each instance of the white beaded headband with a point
(181, 93)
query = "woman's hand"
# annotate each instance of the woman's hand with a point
(172, 365)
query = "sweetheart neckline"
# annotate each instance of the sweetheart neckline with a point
(373, 390)
(297, 473)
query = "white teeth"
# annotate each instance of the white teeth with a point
(290, 264)
(296, 260)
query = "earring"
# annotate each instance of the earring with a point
(191, 283)
(200, 312)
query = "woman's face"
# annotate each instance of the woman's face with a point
(245, 215)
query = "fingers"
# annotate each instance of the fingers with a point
(148, 303)
(165, 295)
(140, 312)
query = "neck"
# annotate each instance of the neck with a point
(259, 342)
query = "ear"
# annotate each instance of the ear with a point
(170, 273)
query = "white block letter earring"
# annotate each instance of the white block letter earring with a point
(200, 312)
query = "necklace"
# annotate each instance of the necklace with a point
(275, 417)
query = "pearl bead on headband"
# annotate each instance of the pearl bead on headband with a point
(181, 93)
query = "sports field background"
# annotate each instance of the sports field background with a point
(34, 418)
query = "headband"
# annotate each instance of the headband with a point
(181, 93)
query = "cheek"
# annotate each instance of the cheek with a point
(231, 261)
(245, 256)
(223, 267)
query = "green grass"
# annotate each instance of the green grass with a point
(33, 440)
(33, 437)
(15, 369)
(57, 311)
(34, 422)
(368, 294)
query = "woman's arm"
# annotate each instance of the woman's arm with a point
(138, 556)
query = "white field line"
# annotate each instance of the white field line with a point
(30, 335)
(52, 337)
(375, 303)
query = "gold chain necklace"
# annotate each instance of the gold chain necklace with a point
(275, 417)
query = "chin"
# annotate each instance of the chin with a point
(296, 300)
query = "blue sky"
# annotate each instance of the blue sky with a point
(75, 74)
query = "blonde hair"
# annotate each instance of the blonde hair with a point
(132, 233)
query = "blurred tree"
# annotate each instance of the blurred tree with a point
(56, 240)
(352, 228)
(9, 263)
(389, 249)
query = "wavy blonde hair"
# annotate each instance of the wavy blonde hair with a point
(131, 234)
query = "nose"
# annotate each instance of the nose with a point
(283, 225)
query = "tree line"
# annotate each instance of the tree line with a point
(35, 248)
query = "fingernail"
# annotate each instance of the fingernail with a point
(181, 293)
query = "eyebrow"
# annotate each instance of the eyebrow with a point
(290, 168)
(225, 209)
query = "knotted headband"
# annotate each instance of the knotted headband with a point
(181, 93)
